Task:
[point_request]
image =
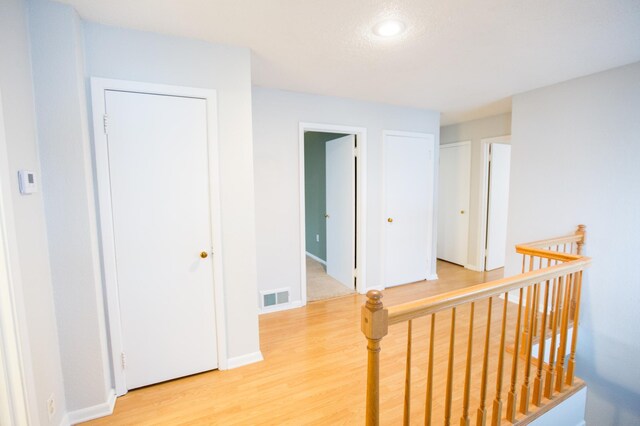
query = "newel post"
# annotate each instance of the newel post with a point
(582, 230)
(374, 325)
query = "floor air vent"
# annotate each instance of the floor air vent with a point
(275, 297)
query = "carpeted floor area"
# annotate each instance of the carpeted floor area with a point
(321, 286)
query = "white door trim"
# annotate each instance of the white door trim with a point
(433, 228)
(361, 202)
(454, 145)
(114, 330)
(483, 198)
(16, 377)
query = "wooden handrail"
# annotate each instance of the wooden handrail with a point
(546, 254)
(429, 305)
(558, 278)
(578, 237)
(554, 241)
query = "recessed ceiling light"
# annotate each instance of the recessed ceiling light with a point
(389, 28)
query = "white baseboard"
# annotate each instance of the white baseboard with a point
(282, 307)
(432, 277)
(246, 359)
(90, 413)
(379, 288)
(316, 258)
(474, 268)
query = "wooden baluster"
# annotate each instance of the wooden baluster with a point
(574, 338)
(429, 399)
(525, 390)
(497, 402)
(447, 402)
(553, 297)
(464, 420)
(537, 383)
(513, 394)
(481, 417)
(564, 329)
(550, 374)
(582, 231)
(534, 323)
(374, 325)
(407, 378)
(527, 308)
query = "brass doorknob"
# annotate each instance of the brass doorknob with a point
(461, 211)
(390, 220)
(204, 255)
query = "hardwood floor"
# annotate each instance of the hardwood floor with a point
(314, 370)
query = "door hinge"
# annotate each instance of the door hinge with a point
(123, 360)
(355, 152)
(355, 272)
(105, 123)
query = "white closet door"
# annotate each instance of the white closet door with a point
(453, 202)
(408, 189)
(159, 175)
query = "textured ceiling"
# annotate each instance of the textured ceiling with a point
(464, 58)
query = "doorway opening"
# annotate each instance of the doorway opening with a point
(331, 211)
(496, 155)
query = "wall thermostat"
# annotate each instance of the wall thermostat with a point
(27, 181)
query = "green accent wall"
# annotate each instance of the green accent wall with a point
(315, 191)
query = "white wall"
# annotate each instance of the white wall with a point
(26, 219)
(575, 159)
(276, 116)
(475, 131)
(67, 182)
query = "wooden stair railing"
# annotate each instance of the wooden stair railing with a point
(550, 281)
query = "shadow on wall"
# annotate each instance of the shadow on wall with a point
(607, 399)
(619, 405)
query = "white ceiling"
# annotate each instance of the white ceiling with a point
(462, 57)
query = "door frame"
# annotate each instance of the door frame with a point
(107, 242)
(433, 226)
(454, 145)
(361, 201)
(16, 376)
(484, 198)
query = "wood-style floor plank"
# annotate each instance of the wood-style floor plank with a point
(314, 370)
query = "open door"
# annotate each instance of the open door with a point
(498, 204)
(341, 202)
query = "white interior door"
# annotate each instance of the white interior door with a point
(498, 205)
(453, 202)
(408, 191)
(341, 202)
(158, 166)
